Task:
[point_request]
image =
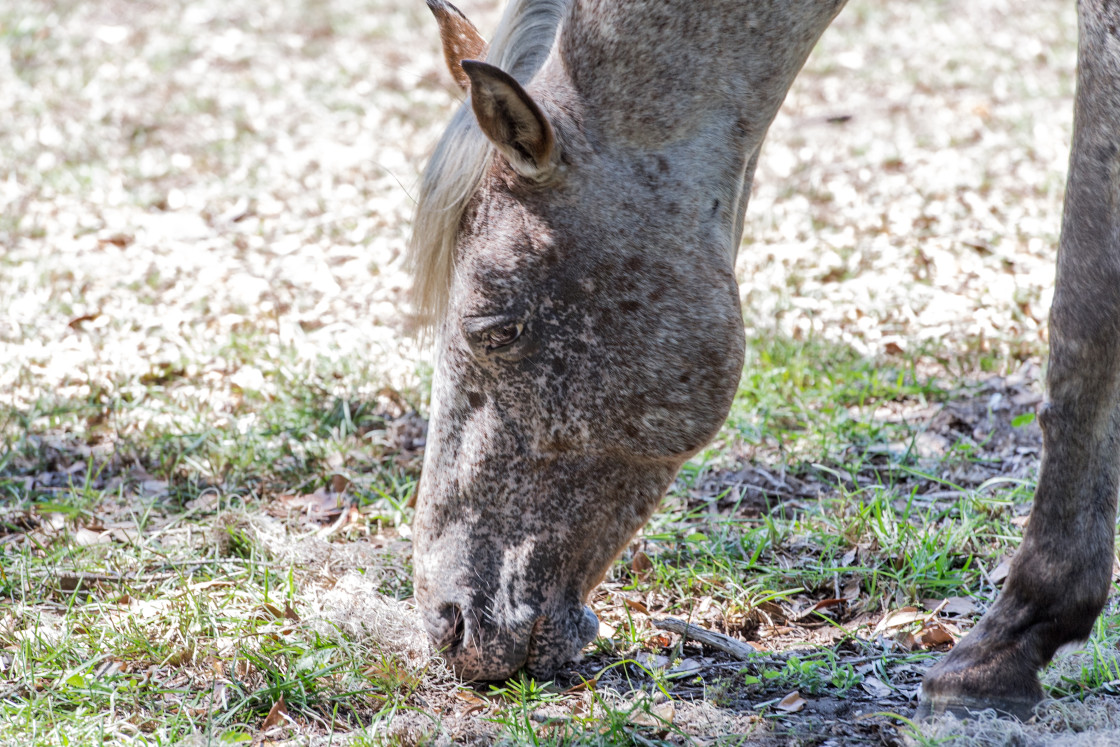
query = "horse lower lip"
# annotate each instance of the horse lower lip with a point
(589, 627)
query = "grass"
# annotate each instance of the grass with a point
(146, 601)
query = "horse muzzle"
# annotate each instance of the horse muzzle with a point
(478, 649)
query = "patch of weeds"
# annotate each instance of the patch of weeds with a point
(923, 551)
(521, 695)
(816, 398)
(812, 674)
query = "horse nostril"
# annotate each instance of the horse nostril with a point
(452, 627)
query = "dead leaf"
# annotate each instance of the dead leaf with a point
(935, 635)
(289, 613)
(959, 607)
(474, 703)
(87, 538)
(272, 612)
(899, 619)
(181, 657)
(77, 321)
(322, 505)
(585, 685)
(791, 703)
(652, 661)
(219, 698)
(276, 715)
(1000, 573)
(688, 666)
(641, 565)
(658, 715)
(876, 687)
(339, 483)
(636, 606)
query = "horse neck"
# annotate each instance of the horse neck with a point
(695, 82)
(655, 70)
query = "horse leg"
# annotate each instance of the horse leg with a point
(1060, 577)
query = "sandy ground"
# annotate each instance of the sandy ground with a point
(176, 174)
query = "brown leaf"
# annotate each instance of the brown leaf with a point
(641, 565)
(77, 321)
(271, 611)
(119, 240)
(339, 483)
(636, 606)
(275, 715)
(290, 613)
(474, 703)
(585, 685)
(935, 635)
(893, 347)
(791, 703)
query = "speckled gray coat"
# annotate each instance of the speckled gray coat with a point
(589, 337)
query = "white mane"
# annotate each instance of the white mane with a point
(520, 45)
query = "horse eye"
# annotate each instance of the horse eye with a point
(500, 337)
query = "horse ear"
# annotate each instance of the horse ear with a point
(461, 40)
(511, 119)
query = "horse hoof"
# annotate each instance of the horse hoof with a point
(966, 707)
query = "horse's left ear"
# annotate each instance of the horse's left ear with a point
(460, 39)
(511, 119)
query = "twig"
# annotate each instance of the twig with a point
(719, 641)
(742, 651)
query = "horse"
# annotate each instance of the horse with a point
(573, 250)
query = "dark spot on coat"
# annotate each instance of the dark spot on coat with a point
(475, 400)
(630, 306)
